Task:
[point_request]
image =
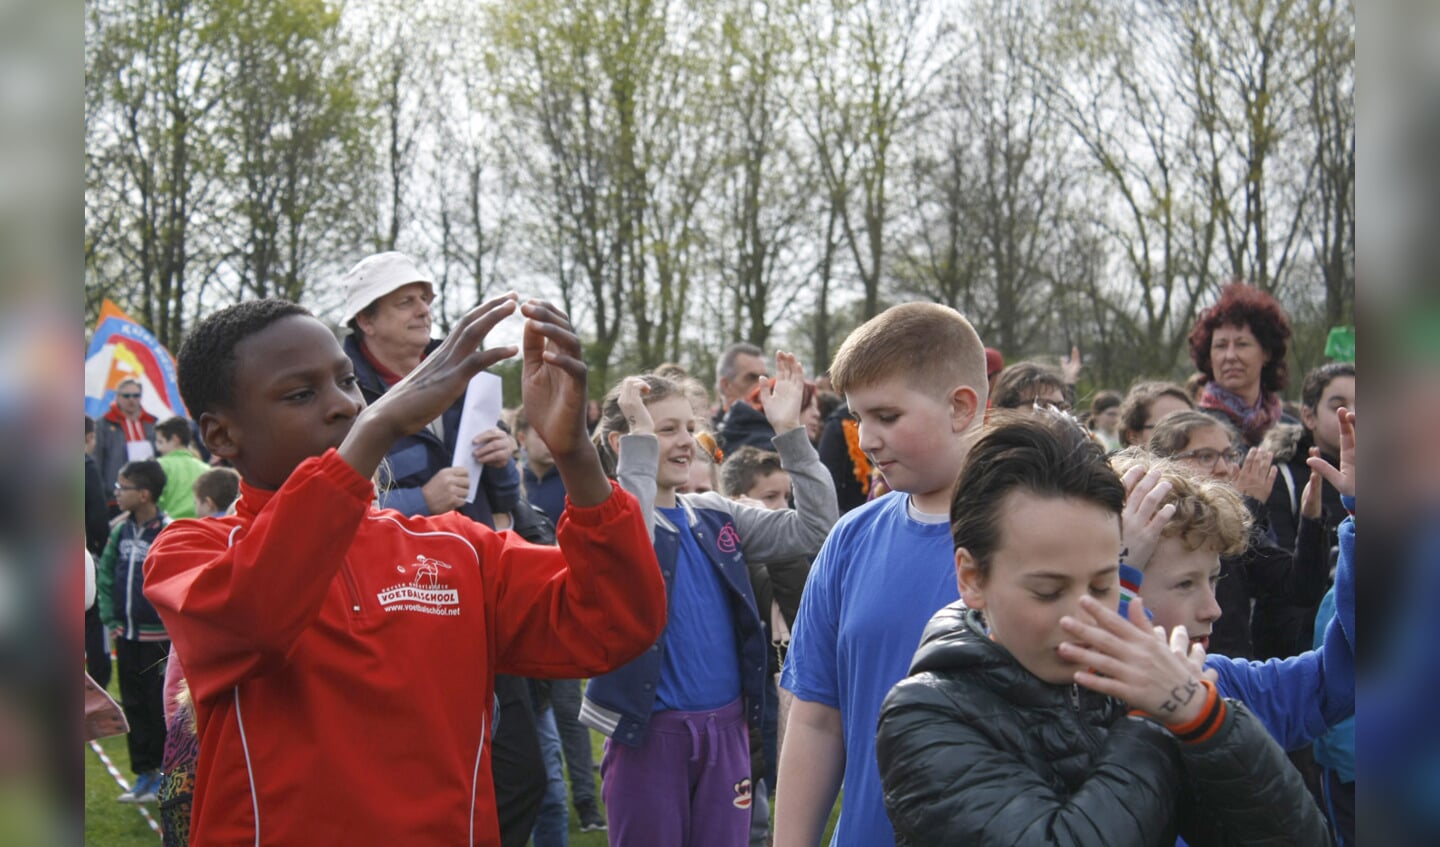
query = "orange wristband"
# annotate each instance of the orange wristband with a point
(1205, 725)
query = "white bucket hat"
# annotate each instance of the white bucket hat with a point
(378, 275)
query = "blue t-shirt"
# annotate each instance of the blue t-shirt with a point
(877, 581)
(701, 666)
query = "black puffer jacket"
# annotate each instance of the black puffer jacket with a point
(975, 750)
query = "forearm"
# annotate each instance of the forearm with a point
(585, 609)
(812, 766)
(237, 602)
(502, 486)
(369, 439)
(814, 489)
(947, 782)
(585, 482)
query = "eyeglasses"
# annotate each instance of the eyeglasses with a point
(119, 487)
(129, 396)
(1208, 458)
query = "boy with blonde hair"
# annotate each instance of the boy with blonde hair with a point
(914, 378)
(1297, 698)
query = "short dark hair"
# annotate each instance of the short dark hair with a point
(1247, 306)
(1136, 408)
(744, 466)
(725, 367)
(206, 363)
(176, 428)
(1019, 384)
(147, 475)
(1043, 452)
(1319, 379)
(1104, 401)
(220, 485)
(89, 424)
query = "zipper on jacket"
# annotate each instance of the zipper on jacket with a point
(352, 587)
(130, 631)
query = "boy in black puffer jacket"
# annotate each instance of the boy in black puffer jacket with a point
(1008, 732)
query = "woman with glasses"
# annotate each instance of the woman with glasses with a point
(1208, 445)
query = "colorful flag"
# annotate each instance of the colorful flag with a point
(120, 349)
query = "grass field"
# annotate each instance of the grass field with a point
(112, 824)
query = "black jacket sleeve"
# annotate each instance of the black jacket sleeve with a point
(1247, 791)
(97, 512)
(947, 782)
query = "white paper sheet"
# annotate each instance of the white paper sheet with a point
(481, 412)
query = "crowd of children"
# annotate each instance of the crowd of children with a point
(977, 618)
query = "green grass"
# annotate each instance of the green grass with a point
(115, 824)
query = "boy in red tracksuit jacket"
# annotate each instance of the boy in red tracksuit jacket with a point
(341, 658)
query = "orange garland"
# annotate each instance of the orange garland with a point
(857, 456)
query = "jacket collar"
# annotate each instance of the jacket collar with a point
(117, 417)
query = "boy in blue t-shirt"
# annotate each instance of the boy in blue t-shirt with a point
(914, 379)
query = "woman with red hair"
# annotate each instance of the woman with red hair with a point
(1239, 344)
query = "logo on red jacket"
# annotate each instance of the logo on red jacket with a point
(742, 794)
(425, 592)
(729, 540)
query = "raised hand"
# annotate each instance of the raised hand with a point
(1070, 365)
(632, 405)
(428, 390)
(1343, 478)
(1133, 662)
(552, 390)
(1143, 521)
(553, 379)
(1256, 475)
(782, 395)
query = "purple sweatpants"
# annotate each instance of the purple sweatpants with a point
(686, 785)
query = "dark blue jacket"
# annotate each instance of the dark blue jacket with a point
(414, 459)
(619, 703)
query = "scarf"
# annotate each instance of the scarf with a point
(1252, 421)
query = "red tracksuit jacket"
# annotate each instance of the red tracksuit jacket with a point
(342, 658)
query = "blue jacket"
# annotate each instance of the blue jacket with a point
(1301, 697)
(619, 704)
(414, 459)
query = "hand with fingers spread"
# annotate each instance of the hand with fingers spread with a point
(553, 393)
(1343, 477)
(428, 390)
(1256, 475)
(783, 394)
(1131, 661)
(1143, 521)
